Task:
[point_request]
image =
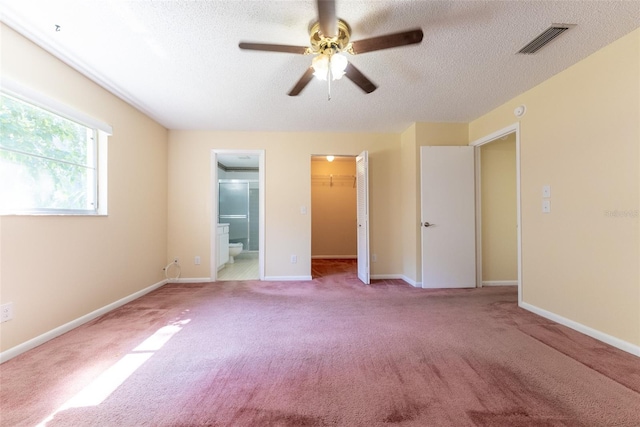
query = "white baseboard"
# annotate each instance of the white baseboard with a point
(191, 280)
(499, 283)
(593, 333)
(412, 282)
(396, 276)
(385, 276)
(287, 278)
(334, 257)
(41, 339)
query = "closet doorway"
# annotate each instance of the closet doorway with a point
(237, 240)
(334, 224)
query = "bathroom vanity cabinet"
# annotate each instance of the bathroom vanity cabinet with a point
(223, 245)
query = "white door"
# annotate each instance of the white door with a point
(362, 184)
(448, 217)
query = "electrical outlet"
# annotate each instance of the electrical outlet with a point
(294, 259)
(6, 312)
(196, 261)
(374, 258)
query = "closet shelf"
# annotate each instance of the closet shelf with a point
(331, 180)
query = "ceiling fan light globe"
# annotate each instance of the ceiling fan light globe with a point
(320, 66)
(338, 66)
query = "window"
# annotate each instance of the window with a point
(48, 162)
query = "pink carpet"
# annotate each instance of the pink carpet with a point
(331, 351)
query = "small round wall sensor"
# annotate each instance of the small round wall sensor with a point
(520, 110)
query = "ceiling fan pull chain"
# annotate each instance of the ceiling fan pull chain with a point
(329, 80)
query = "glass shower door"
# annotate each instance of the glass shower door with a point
(234, 210)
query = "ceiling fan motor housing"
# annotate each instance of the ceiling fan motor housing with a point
(321, 44)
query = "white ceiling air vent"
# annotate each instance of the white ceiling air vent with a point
(545, 38)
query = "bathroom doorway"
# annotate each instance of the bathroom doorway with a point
(237, 239)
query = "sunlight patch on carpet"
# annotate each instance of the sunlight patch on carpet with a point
(102, 387)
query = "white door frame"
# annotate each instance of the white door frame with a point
(214, 208)
(514, 128)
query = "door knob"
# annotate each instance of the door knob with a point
(426, 224)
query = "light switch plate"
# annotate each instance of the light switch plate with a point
(546, 191)
(546, 206)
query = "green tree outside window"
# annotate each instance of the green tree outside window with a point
(47, 162)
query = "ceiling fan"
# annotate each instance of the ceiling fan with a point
(329, 39)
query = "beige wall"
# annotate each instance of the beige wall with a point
(56, 269)
(499, 210)
(334, 222)
(288, 188)
(581, 136)
(409, 215)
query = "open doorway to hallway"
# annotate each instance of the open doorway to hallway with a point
(499, 212)
(496, 231)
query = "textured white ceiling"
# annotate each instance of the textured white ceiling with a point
(179, 61)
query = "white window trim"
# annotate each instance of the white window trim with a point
(25, 93)
(103, 131)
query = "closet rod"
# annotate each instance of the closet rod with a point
(332, 176)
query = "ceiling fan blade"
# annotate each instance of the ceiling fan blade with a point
(388, 41)
(327, 17)
(359, 79)
(302, 83)
(273, 47)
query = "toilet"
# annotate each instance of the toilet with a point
(234, 250)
